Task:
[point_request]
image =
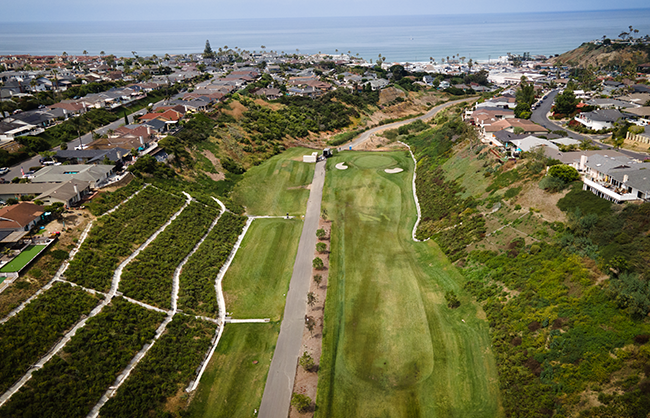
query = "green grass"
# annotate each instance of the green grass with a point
(469, 173)
(232, 384)
(391, 346)
(277, 186)
(257, 282)
(23, 259)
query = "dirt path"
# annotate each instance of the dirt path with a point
(306, 381)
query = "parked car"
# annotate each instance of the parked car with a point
(3, 171)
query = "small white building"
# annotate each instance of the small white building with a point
(310, 158)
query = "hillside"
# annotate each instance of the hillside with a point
(607, 56)
(562, 277)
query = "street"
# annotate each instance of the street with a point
(539, 117)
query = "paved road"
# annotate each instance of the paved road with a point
(279, 384)
(15, 171)
(431, 113)
(539, 116)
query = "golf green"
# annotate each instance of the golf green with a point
(392, 348)
(374, 161)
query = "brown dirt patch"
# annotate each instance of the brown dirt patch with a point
(219, 175)
(546, 203)
(306, 383)
(378, 143)
(272, 106)
(236, 110)
(389, 94)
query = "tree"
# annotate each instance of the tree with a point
(306, 361)
(311, 299)
(301, 402)
(452, 300)
(318, 264)
(208, 52)
(321, 247)
(310, 323)
(101, 53)
(320, 233)
(565, 173)
(526, 92)
(318, 278)
(85, 52)
(566, 102)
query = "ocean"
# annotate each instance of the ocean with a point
(398, 38)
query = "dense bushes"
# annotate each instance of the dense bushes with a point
(446, 216)
(167, 368)
(31, 333)
(148, 277)
(106, 201)
(72, 382)
(115, 236)
(197, 294)
(549, 338)
(298, 117)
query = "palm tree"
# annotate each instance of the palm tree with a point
(85, 52)
(101, 53)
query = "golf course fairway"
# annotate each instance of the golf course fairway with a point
(392, 347)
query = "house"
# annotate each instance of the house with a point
(96, 175)
(610, 103)
(503, 102)
(91, 156)
(616, 178)
(523, 126)
(68, 193)
(488, 115)
(599, 119)
(268, 93)
(17, 220)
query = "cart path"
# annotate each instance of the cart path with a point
(364, 136)
(279, 383)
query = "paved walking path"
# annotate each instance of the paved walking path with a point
(279, 384)
(431, 113)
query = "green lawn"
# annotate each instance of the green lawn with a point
(233, 384)
(23, 259)
(392, 348)
(256, 283)
(277, 186)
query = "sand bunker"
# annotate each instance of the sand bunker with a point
(394, 170)
(342, 166)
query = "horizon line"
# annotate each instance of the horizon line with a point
(329, 17)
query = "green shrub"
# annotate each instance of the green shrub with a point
(301, 402)
(552, 184)
(318, 264)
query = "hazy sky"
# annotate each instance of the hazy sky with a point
(75, 10)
